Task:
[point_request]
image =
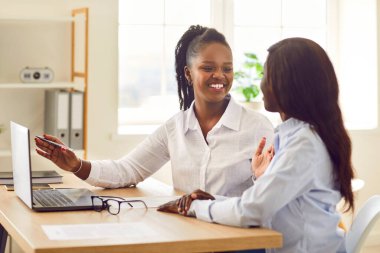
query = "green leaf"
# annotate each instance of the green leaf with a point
(255, 91)
(247, 77)
(240, 75)
(247, 94)
(251, 56)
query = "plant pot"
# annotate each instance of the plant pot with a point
(254, 105)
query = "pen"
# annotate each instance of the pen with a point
(53, 143)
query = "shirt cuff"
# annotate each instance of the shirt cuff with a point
(220, 197)
(201, 209)
(93, 177)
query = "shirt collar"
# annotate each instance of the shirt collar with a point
(289, 125)
(287, 128)
(230, 118)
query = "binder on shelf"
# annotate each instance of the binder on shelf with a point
(76, 120)
(57, 109)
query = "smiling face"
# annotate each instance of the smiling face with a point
(211, 73)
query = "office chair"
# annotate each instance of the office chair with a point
(362, 224)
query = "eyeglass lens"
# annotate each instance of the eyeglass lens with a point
(98, 204)
(113, 205)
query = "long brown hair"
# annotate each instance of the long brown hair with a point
(306, 88)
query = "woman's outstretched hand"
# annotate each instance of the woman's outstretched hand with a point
(261, 159)
(182, 205)
(62, 156)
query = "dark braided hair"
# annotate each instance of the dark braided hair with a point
(194, 39)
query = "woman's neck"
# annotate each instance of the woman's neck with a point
(208, 114)
(283, 116)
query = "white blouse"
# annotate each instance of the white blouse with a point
(221, 166)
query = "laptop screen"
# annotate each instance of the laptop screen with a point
(21, 162)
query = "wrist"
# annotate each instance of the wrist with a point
(79, 167)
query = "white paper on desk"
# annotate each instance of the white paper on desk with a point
(97, 231)
(151, 201)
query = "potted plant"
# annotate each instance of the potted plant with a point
(248, 80)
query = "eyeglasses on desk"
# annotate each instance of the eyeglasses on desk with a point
(114, 204)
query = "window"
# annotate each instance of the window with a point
(147, 38)
(275, 20)
(258, 24)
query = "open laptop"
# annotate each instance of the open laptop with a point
(44, 199)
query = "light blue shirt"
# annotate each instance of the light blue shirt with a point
(296, 195)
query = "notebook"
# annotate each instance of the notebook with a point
(42, 199)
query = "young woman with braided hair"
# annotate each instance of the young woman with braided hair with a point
(209, 142)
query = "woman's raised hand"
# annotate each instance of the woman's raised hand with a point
(61, 155)
(261, 159)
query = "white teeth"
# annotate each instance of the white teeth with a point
(217, 86)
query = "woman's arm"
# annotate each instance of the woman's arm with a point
(289, 176)
(149, 156)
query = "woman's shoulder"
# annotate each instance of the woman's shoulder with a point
(298, 131)
(250, 116)
(177, 120)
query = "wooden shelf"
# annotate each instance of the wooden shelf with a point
(54, 85)
(8, 153)
(5, 153)
(78, 21)
(41, 19)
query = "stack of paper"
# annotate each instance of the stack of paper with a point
(45, 176)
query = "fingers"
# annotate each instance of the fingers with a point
(46, 150)
(261, 146)
(53, 138)
(43, 145)
(42, 153)
(270, 152)
(162, 207)
(184, 204)
(170, 207)
(180, 204)
(272, 147)
(199, 194)
(188, 203)
(185, 201)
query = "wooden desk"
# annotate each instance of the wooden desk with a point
(175, 233)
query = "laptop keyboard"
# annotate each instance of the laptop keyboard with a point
(52, 198)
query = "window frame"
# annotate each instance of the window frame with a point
(222, 17)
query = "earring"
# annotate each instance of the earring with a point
(190, 83)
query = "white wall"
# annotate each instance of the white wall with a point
(103, 86)
(358, 61)
(33, 44)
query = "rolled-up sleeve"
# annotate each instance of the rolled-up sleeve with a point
(140, 163)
